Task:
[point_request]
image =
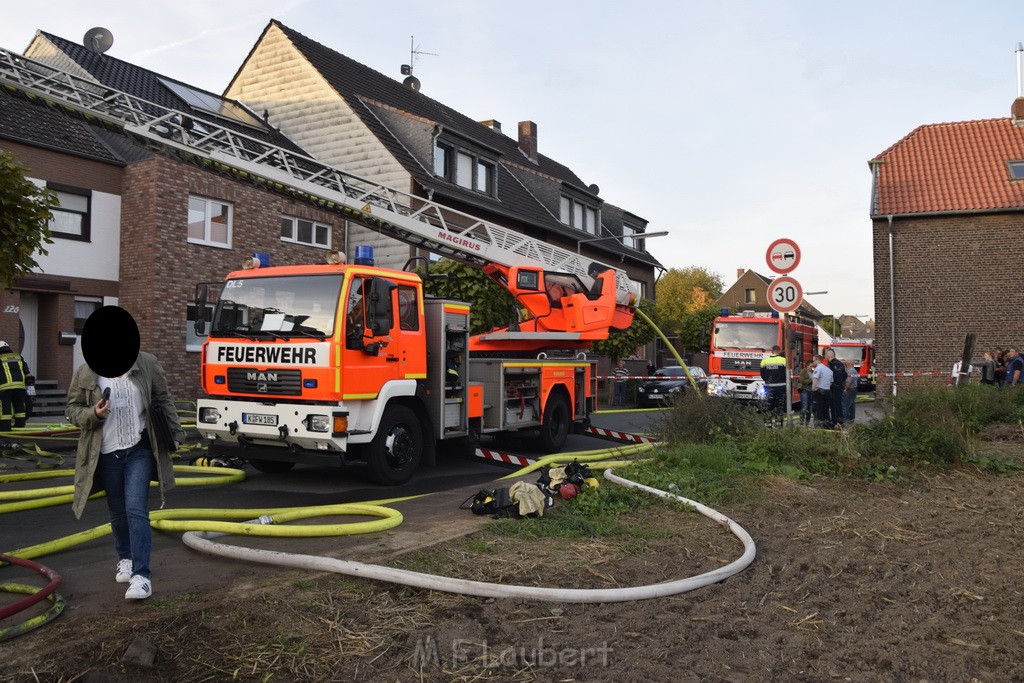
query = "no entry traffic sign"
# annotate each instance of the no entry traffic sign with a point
(783, 256)
(785, 294)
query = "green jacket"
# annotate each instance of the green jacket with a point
(83, 395)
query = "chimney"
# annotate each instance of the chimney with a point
(528, 139)
(739, 272)
(493, 124)
(1017, 108)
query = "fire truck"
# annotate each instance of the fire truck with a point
(740, 342)
(339, 362)
(862, 353)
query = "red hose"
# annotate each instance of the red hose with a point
(45, 592)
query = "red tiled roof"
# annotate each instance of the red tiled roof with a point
(951, 167)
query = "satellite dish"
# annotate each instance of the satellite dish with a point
(98, 40)
(594, 190)
(412, 83)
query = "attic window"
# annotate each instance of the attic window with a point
(212, 104)
(464, 168)
(577, 214)
(1017, 170)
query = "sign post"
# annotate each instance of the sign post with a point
(785, 295)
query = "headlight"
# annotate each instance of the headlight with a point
(717, 388)
(209, 415)
(675, 390)
(318, 423)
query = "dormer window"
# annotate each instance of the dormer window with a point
(575, 213)
(464, 168)
(1016, 170)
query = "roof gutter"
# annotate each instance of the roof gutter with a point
(892, 308)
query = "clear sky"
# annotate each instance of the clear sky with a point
(729, 123)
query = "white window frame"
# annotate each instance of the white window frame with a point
(1016, 170)
(206, 240)
(574, 213)
(294, 239)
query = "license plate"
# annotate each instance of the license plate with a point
(259, 419)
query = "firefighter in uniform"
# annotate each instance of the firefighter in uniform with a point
(13, 395)
(773, 372)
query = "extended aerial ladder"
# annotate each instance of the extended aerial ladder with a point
(415, 220)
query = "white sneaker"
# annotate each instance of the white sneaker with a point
(124, 571)
(139, 588)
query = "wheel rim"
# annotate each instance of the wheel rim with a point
(399, 447)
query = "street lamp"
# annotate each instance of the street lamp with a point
(636, 235)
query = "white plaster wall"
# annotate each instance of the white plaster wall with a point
(99, 258)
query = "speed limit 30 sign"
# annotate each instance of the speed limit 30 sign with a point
(785, 294)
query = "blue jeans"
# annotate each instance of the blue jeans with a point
(806, 401)
(125, 476)
(620, 394)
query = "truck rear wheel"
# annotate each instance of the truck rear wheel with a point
(555, 429)
(271, 466)
(396, 450)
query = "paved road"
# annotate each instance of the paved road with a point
(87, 569)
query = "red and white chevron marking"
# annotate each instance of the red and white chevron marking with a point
(506, 458)
(621, 436)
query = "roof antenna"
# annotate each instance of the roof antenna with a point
(411, 81)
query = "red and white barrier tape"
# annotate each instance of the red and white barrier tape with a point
(506, 458)
(910, 374)
(622, 436)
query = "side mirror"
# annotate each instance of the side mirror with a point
(380, 311)
(202, 295)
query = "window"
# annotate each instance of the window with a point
(750, 296)
(577, 214)
(209, 222)
(193, 342)
(441, 154)
(629, 237)
(303, 231)
(464, 168)
(83, 309)
(70, 218)
(640, 286)
(1017, 170)
(408, 309)
(212, 104)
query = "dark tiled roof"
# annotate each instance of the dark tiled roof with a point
(135, 80)
(42, 126)
(951, 167)
(404, 120)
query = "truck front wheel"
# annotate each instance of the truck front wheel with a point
(555, 429)
(396, 450)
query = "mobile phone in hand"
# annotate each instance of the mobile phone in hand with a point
(106, 397)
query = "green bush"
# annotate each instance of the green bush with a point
(695, 418)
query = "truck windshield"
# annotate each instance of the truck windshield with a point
(854, 353)
(278, 307)
(746, 336)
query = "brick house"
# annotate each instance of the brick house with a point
(750, 293)
(947, 212)
(151, 227)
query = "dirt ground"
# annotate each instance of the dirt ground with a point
(853, 580)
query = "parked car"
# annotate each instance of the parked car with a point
(669, 382)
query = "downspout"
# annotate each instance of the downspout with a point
(892, 308)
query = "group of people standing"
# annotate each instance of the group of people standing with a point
(827, 386)
(828, 391)
(996, 367)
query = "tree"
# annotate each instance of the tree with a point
(625, 343)
(491, 303)
(24, 220)
(686, 302)
(831, 325)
